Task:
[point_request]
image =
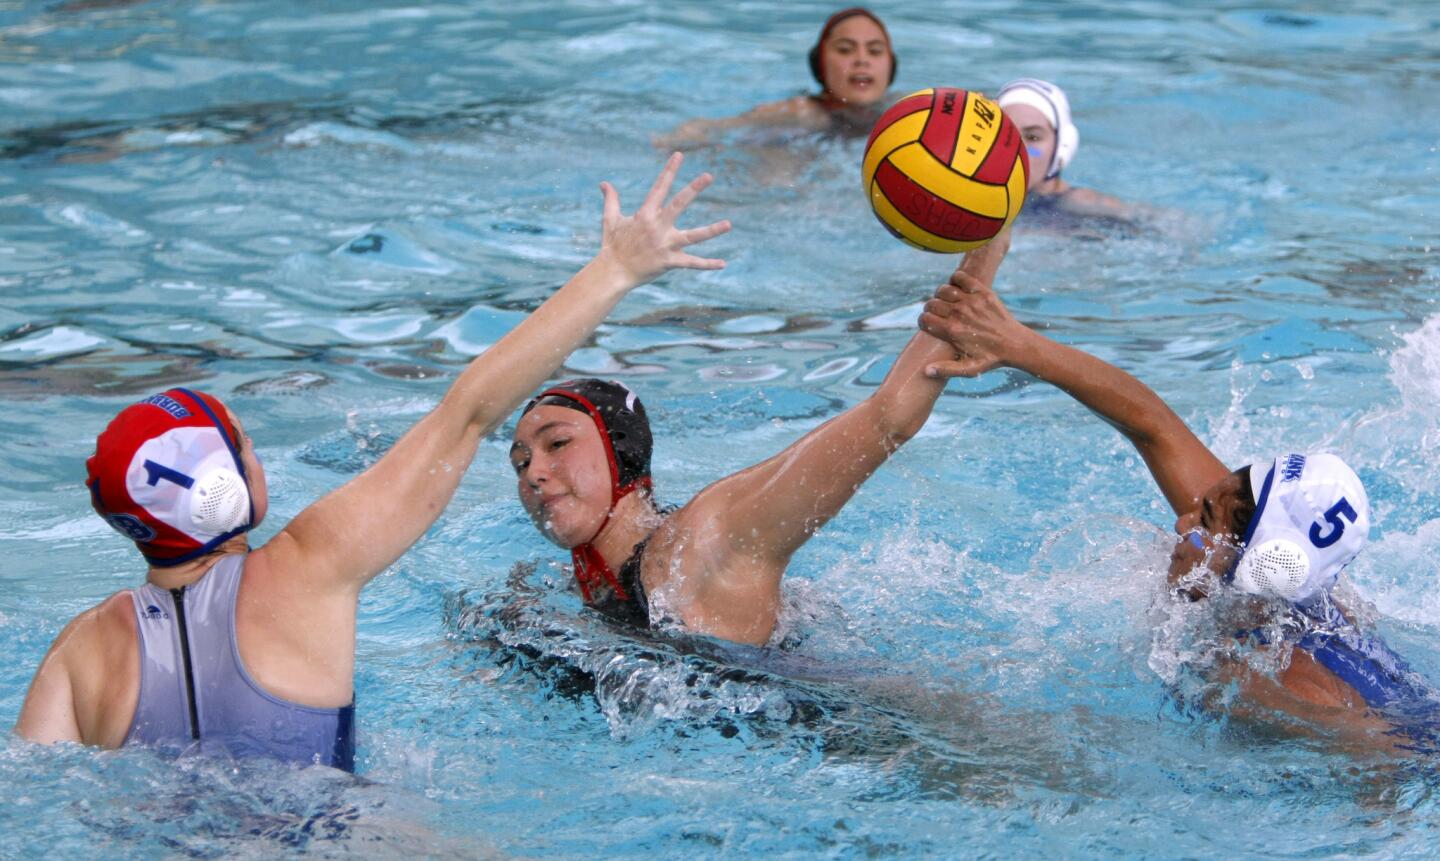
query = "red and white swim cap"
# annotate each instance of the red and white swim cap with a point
(167, 474)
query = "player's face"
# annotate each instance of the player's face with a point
(254, 472)
(855, 61)
(1039, 139)
(563, 473)
(1207, 535)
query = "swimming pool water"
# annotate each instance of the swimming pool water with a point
(320, 211)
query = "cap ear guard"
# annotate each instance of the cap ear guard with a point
(167, 473)
(1312, 517)
(1275, 568)
(219, 501)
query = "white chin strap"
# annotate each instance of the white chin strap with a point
(219, 501)
(1275, 568)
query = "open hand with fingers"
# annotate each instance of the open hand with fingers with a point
(968, 315)
(646, 245)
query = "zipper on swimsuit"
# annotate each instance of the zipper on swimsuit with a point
(179, 596)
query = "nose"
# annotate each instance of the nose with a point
(535, 473)
(1186, 522)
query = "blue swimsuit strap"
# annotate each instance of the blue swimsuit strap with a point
(1362, 661)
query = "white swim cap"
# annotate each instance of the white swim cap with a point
(1311, 518)
(1049, 100)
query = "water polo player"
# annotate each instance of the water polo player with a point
(854, 64)
(582, 457)
(1281, 528)
(1042, 111)
(252, 651)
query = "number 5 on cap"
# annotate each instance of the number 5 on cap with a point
(1332, 517)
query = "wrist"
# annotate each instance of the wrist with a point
(611, 274)
(1025, 350)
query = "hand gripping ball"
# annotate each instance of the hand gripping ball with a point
(945, 170)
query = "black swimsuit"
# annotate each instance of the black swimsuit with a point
(635, 609)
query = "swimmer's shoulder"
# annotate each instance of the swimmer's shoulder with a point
(804, 110)
(100, 630)
(690, 535)
(97, 655)
(1088, 201)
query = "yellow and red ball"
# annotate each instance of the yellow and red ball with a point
(945, 170)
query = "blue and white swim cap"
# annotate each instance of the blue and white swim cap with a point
(1050, 101)
(1311, 518)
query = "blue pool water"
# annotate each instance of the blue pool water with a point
(320, 211)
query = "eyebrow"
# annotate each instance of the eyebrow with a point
(553, 423)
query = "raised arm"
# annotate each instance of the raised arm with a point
(772, 508)
(353, 533)
(977, 325)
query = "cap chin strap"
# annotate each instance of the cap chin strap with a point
(590, 566)
(591, 569)
(1272, 561)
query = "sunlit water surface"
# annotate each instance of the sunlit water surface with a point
(321, 211)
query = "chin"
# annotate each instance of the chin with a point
(566, 535)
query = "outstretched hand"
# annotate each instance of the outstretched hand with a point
(968, 315)
(646, 245)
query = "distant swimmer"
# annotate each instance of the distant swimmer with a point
(1042, 112)
(1282, 528)
(230, 650)
(581, 455)
(854, 64)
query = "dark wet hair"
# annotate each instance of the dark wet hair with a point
(1244, 511)
(834, 21)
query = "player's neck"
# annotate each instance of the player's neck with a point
(633, 521)
(185, 574)
(1051, 187)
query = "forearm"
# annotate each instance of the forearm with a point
(1183, 467)
(1114, 395)
(495, 383)
(354, 532)
(908, 395)
(420, 473)
(775, 506)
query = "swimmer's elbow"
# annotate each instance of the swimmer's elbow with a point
(899, 426)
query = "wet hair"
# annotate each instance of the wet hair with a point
(1244, 511)
(834, 21)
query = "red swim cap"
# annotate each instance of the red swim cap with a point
(167, 474)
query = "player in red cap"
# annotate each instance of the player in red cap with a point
(247, 651)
